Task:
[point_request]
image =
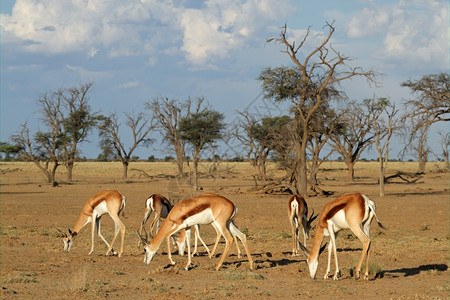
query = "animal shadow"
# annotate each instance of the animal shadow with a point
(416, 270)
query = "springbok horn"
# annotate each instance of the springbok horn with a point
(312, 217)
(63, 234)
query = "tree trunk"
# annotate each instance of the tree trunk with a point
(55, 166)
(180, 162)
(69, 167)
(262, 169)
(301, 176)
(422, 165)
(351, 171)
(195, 174)
(381, 177)
(125, 169)
(313, 176)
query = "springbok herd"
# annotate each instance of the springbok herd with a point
(351, 211)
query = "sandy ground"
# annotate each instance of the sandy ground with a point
(411, 256)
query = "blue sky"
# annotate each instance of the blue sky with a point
(137, 50)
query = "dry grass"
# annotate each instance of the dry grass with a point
(115, 169)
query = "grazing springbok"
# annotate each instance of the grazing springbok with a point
(353, 211)
(161, 207)
(298, 214)
(109, 202)
(200, 210)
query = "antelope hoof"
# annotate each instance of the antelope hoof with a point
(336, 276)
(113, 253)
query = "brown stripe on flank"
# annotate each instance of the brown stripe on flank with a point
(195, 210)
(334, 210)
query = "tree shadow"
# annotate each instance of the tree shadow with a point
(416, 270)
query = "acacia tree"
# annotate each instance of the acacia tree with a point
(9, 150)
(75, 120)
(315, 81)
(271, 135)
(167, 115)
(109, 133)
(430, 105)
(432, 102)
(259, 137)
(67, 116)
(356, 135)
(201, 128)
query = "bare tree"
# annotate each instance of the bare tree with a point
(319, 74)
(45, 149)
(356, 135)
(140, 129)
(167, 114)
(421, 148)
(38, 150)
(383, 133)
(325, 124)
(256, 153)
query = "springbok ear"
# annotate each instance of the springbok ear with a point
(322, 248)
(72, 233)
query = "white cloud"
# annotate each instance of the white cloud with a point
(225, 25)
(139, 27)
(54, 26)
(410, 31)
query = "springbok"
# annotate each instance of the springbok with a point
(200, 210)
(298, 214)
(161, 207)
(109, 202)
(353, 211)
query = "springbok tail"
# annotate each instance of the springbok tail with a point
(372, 208)
(122, 208)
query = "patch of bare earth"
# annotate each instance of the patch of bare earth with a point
(410, 257)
